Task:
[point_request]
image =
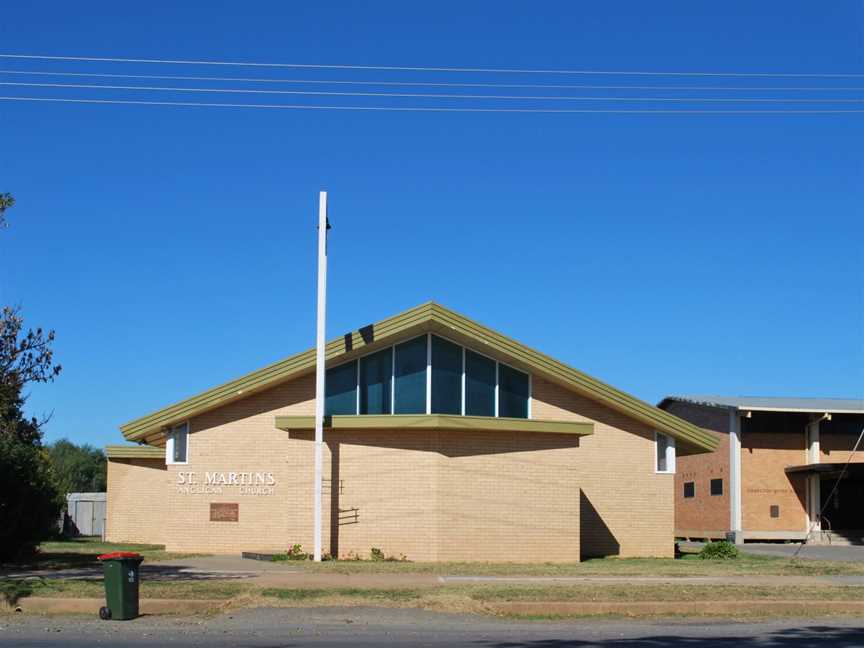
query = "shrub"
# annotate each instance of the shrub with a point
(294, 553)
(30, 503)
(721, 550)
(12, 590)
(377, 555)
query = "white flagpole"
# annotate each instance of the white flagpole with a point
(319, 366)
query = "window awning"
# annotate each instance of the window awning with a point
(451, 422)
(134, 452)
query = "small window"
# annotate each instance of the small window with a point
(689, 489)
(177, 444)
(716, 486)
(775, 511)
(665, 447)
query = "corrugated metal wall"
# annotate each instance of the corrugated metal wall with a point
(86, 514)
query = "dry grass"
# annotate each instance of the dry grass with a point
(471, 599)
(56, 588)
(688, 565)
(484, 599)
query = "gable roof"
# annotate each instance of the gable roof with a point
(428, 317)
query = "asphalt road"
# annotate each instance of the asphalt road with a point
(370, 627)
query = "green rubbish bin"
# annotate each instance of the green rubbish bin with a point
(121, 585)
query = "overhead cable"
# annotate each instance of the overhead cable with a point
(403, 68)
(676, 111)
(442, 84)
(318, 93)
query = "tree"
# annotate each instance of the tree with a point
(6, 201)
(79, 469)
(30, 502)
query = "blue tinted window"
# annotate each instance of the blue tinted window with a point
(446, 377)
(411, 377)
(479, 385)
(341, 390)
(512, 392)
(375, 375)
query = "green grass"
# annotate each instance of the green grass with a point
(82, 552)
(366, 594)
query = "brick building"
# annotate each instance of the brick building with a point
(445, 440)
(777, 463)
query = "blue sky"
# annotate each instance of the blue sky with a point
(173, 249)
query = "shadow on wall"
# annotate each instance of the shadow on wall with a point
(596, 540)
(466, 443)
(335, 492)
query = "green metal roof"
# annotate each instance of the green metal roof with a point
(428, 317)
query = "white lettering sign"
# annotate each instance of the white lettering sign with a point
(218, 483)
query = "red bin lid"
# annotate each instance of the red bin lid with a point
(118, 555)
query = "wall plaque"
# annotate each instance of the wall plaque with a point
(224, 512)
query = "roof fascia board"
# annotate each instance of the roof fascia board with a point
(800, 410)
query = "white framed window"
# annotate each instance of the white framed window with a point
(177, 444)
(664, 453)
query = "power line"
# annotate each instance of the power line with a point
(664, 111)
(831, 494)
(430, 83)
(86, 86)
(397, 68)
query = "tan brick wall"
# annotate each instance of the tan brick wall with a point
(241, 437)
(764, 457)
(428, 495)
(136, 500)
(703, 515)
(626, 508)
(450, 495)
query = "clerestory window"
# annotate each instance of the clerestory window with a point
(428, 375)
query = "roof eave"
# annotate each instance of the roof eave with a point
(428, 317)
